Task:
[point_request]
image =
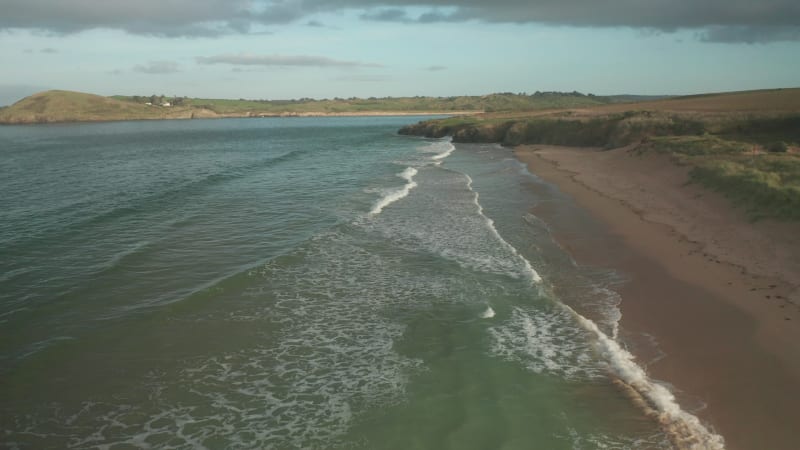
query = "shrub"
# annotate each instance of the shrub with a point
(778, 147)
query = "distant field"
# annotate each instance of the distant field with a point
(762, 101)
(485, 103)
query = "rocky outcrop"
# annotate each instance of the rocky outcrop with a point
(611, 130)
(428, 129)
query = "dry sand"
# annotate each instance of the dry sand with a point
(718, 293)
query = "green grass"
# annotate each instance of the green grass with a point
(695, 145)
(767, 186)
(492, 102)
(67, 106)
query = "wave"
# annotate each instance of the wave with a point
(683, 428)
(439, 157)
(488, 313)
(529, 270)
(70, 219)
(537, 339)
(397, 194)
(37, 347)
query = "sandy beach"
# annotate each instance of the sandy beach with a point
(718, 293)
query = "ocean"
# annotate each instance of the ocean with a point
(300, 283)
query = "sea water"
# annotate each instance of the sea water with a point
(300, 283)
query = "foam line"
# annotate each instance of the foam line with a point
(490, 223)
(396, 194)
(440, 156)
(683, 428)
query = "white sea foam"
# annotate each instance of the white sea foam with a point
(547, 344)
(488, 313)
(538, 342)
(538, 339)
(446, 220)
(490, 223)
(333, 355)
(684, 428)
(447, 152)
(396, 194)
(606, 441)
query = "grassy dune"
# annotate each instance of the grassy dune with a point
(744, 144)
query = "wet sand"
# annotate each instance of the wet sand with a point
(718, 293)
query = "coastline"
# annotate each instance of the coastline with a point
(195, 114)
(722, 303)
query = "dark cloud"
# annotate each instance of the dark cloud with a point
(387, 15)
(166, 18)
(715, 20)
(280, 60)
(438, 16)
(750, 35)
(157, 67)
(315, 24)
(435, 68)
(658, 14)
(49, 50)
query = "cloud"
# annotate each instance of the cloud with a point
(750, 35)
(315, 24)
(362, 78)
(280, 60)
(157, 67)
(438, 16)
(715, 20)
(387, 15)
(658, 14)
(46, 50)
(197, 18)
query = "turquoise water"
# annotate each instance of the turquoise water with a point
(293, 283)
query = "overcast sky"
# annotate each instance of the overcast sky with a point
(323, 49)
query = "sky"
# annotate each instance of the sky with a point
(282, 49)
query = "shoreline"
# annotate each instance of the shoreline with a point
(203, 114)
(720, 305)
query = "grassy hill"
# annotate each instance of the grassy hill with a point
(744, 144)
(67, 106)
